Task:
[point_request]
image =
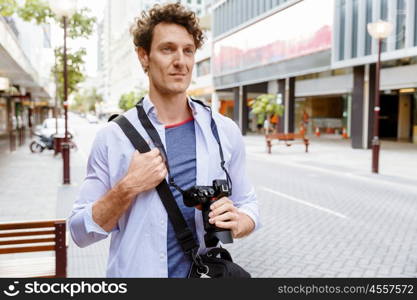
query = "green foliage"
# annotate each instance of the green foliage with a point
(266, 105)
(86, 100)
(36, 10)
(129, 100)
(7, 7)
(75, 63)
(80, 24)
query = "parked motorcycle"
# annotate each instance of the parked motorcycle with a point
(44, 142)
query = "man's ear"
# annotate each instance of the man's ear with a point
(143, 58)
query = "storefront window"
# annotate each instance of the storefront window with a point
(400, 31)
(368, 38)
(328, 114)
(355, 28)
(3, 116)
(384, 16)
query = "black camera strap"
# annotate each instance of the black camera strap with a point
(182, 232)
(153, 133)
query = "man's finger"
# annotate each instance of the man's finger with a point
(232, 225)
(228, 216)
(222, 209)
(153, 153)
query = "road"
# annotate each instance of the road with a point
(314, 223)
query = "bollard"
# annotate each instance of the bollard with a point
(66, 159)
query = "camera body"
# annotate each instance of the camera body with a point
(206, 196)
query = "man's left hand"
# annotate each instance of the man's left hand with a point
(224, 214)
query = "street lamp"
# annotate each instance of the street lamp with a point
(65, 9)
(379, 30)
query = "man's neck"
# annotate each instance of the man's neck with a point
(171, 108)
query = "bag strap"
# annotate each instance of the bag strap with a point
(182, 232)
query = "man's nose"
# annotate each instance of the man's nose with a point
(179, 59)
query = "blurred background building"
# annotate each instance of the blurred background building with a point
(26, 90)
(320, 58)
(118, 66)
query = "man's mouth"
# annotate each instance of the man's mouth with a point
(178, 74)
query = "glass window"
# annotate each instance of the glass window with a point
(354, 28)
(415, 26)
(203, 67)
(400, 28)
(384, 16)
(368, 38)
(342, 29)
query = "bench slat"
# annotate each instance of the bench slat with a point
(26, 233)
(30, 224)
(27, 249)
(26, 241)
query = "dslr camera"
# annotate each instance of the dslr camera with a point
(206, 195)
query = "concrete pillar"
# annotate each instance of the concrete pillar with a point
(281, 90)
(363, 99)
(215, 103)
(236, 107)
(404, 117)
(241, 109)
(289, 103)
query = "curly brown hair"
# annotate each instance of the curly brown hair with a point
(143, 28)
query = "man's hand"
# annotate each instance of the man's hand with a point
(225, 215)
(146, 171)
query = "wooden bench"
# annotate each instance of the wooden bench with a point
(33, 236)
(287, 138)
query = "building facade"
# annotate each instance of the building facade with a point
(25, 87)
(318, 56)
(118, 65)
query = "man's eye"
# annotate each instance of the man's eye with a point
(189, 51)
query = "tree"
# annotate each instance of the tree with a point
(75, 63)
(129, 100)
(79, 25)
(86, 100)
(266, 106)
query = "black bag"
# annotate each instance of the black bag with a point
(217, 262)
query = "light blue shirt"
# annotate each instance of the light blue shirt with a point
(138, 246)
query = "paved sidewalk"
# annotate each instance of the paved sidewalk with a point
(31, 189)
(31, 186)
(397, 162)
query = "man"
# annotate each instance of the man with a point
(118, 195)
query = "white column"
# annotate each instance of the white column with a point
(215, 103)
(286, 105)
(365, 109)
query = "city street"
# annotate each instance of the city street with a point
(316, 222)
(320, 224)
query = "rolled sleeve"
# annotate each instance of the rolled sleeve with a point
(84, 230)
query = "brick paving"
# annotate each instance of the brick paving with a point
(328, 218)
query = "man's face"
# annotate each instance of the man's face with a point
(171, 58)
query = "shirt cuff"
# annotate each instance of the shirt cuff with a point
(90, 225)
(252, 215)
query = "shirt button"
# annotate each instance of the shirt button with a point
(162, 222)
(162, 256)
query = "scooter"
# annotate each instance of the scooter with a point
(42, 143)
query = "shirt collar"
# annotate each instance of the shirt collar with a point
(150, 109)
